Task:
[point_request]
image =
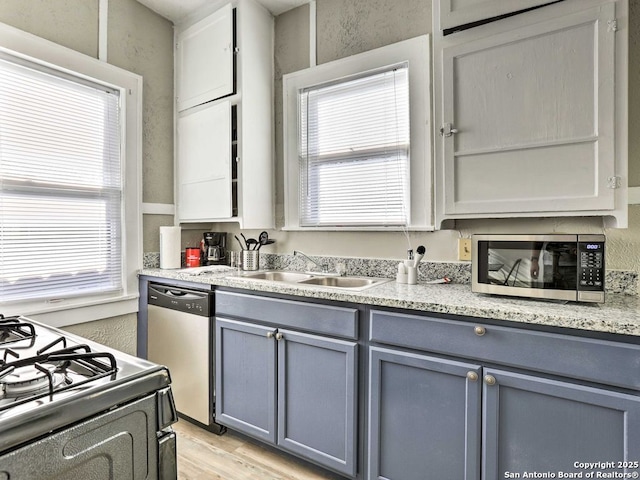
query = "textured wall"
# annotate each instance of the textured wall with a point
(72, 23)
(117, 332)
(347, 27)
(623, 246)
(142, 42)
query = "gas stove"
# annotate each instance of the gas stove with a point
(51, 382)
(30, 371)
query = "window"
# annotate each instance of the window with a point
(357, 142)
(68, 141)
(354, 150)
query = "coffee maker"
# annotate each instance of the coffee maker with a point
(214, 249)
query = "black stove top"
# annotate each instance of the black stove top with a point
(50, 379)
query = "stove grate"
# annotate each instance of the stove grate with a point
(12, 329)
(77, 362)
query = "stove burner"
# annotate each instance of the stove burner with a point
(30, 379)
(45, 374)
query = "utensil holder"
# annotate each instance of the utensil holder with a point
(250, 259)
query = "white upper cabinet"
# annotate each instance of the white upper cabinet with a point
(454, 13)
(204, 172)
(224, 137)
(531, 115)
(204, 60)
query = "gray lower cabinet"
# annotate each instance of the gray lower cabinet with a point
(480, 407)
(292, 389)
(435, 418)
(424, 417)
(537, 424)
(246, 378)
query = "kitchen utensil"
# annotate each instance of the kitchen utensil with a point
(245, 241)
(420, 253)
(263, 238)
(251, 244)
(242, 247)
(268, 242)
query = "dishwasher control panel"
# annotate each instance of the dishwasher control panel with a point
(181, 299)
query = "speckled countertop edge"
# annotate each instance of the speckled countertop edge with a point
(620, 314)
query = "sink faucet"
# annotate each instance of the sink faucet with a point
(324, 267)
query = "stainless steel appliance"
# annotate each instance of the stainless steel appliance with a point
(555, 266)
(71, 408)
(181, 335)
(214, 248)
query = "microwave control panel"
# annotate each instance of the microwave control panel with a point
(591, 266)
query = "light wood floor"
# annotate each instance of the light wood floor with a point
(205, 456)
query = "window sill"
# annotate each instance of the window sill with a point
(74, 311)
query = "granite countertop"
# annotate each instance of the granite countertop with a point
(620, 314)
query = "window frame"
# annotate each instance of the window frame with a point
(63, 312)
(416, 52)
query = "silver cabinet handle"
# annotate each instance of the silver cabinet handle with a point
(279, 336)
(480, 330)
(269, 334)
(447, 130)
(472, 376)
(489, 379)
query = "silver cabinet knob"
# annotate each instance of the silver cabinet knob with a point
(472, 376)
(269, 334)
(279, 336)
(489, 379)
(480, 330)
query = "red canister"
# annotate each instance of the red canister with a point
(192, 256)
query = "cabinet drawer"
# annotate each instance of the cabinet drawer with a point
(594, 360)
(327, 319)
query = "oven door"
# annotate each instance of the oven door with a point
(538, 266)
(121, 443)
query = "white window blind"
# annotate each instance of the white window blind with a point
(60, 185)
(354, 151)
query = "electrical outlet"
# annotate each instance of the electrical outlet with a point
(464, 249)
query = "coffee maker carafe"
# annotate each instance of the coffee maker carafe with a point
(215, 248)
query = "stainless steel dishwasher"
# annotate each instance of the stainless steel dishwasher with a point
(181, 337)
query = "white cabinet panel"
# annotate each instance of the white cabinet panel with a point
(204, 167)
(204, 60)
(454, 13)
(534, 112)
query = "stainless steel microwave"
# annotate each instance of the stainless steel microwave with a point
(559, 267)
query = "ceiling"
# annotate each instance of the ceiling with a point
(178, 10)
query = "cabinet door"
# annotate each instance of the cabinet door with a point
(534, 424)
(204, 60)
(533, 108)
(424, 417)
(204, 163)
(454, 13)
(246, 378)
(317, 395)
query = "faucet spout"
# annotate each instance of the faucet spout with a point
(323, 266)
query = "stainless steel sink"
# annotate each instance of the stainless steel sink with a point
(277, 276)
(308, 279)
(344, 282)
